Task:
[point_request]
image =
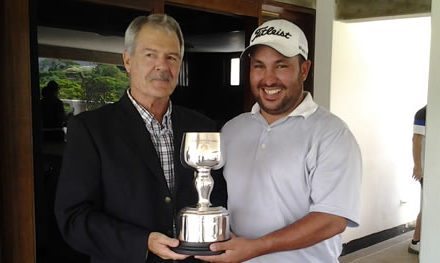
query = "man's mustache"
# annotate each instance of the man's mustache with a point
(163, 76)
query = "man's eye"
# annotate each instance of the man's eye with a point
(172, 58)
(150, 55)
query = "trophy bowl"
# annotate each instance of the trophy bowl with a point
(203, 224)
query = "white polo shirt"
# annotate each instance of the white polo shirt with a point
(276, 174)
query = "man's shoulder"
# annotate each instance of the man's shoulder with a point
(323, 117)
(109, 115)
(98, 113)
(240, 119)
(186, 113)
(420, 114)
(189, 117)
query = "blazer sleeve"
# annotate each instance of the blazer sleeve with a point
(78, 205)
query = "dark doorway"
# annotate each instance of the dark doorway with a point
(211, 41)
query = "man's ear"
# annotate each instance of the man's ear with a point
(126, 59)
(305, 68)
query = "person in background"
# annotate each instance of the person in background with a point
(122, 181)
(418, 152)
(52, 113)
(293, 169)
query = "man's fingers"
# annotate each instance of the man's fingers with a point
(160, 245)
(176, 256)
(160, 238)
(217, 247)
(171, 242)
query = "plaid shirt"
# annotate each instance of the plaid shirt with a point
(162, 136)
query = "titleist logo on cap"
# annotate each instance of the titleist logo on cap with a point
(270, 31)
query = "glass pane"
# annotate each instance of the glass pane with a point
(235, 72)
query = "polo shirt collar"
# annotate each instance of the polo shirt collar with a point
(306, 108)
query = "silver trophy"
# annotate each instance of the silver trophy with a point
(202, 225)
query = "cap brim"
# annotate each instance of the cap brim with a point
(274, 45)
(245, 52)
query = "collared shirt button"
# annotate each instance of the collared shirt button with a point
(167, 199)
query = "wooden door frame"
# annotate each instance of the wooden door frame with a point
(17, 236)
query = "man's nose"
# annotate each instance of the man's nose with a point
(270, 78)
(161, 63)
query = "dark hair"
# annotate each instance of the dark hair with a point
(50, 89)
(301, 59)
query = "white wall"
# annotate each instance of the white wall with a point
(325, 11)
(379, 79)
(430, 251)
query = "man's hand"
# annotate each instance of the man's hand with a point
(236, 250)
(160, 244)
(417, 173)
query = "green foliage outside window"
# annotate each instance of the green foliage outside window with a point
(95, 84)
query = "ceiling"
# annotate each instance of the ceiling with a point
(98, 27)
(84, 25)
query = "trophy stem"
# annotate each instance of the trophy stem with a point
(204, 184)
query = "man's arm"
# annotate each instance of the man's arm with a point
(417, 156)
(83, 222)
(79, 205)
(311, 229)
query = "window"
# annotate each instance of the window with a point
(183, 75)
(83, 85)
(235, 72)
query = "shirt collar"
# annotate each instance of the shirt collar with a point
(147, 117)
(306, 108)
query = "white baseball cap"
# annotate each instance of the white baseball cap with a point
(281, 35)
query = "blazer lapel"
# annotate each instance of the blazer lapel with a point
(178, 132)
(139, 138)
(180, 126)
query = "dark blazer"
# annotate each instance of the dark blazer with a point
(112, 191)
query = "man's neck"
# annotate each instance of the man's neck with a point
(156, 106)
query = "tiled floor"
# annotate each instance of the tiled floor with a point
(394, 250)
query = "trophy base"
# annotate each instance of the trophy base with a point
(195, 249)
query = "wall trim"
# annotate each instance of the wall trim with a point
(375, 238)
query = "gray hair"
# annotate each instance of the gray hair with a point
(161, 21)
